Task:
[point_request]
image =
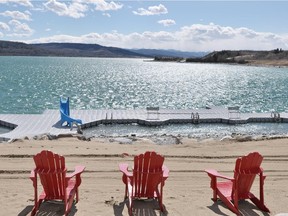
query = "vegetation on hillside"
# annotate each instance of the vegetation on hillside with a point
(273, 57)
(8, 48)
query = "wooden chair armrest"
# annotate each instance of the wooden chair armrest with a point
(123, 167)
(32, 175)
(262, 171)
(78, 170)
(215, 173)
(34, 181)
(165, 172)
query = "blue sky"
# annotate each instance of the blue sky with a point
(182, 25)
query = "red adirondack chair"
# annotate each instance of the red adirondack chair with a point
(231, 190)
(57, 184)
(146, 180)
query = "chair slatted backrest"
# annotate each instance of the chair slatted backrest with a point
(52, 172)
(147, 174)
(64, 106)
(246, 169)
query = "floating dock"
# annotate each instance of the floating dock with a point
(30, 125)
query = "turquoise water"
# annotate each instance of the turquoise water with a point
(33, 84)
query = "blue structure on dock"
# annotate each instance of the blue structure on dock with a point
(65, 113)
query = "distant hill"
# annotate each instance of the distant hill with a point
(272, 57)
(277, 57)
(87, 50)
(8, 48)
(169, 53)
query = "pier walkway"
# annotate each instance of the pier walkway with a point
(30, 125)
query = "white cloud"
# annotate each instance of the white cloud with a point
(77, 8)
(106, 14)
(152, 10)
(4, 27)
(207, 32)
(102, 5)
(167, 22)
(196, 37)
(74, 9)
(162, 36)
(20, 29)
(26, 3)
(215, 37)
(57, 7)
(16, 15)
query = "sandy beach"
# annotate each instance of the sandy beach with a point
(186, 191)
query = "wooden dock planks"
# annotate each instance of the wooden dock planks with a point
(49, 121)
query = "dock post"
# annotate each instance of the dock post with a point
(234, 112)
(276, 116)
(195, 117)
(152, 111)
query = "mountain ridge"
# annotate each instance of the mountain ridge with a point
(85, 50)
(276, 57)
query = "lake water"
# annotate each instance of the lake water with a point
(33, 84)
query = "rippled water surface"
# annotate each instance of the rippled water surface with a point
(33, 84)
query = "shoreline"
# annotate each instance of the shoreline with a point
(162, 139)
(253, 63)
(268, 63)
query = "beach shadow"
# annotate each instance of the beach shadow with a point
(248, 208)
(245, 208)
(26, 211)
(141, 207)
(59, 125)
(118, 208)
(49, 208)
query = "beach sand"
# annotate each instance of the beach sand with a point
(186, 192)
